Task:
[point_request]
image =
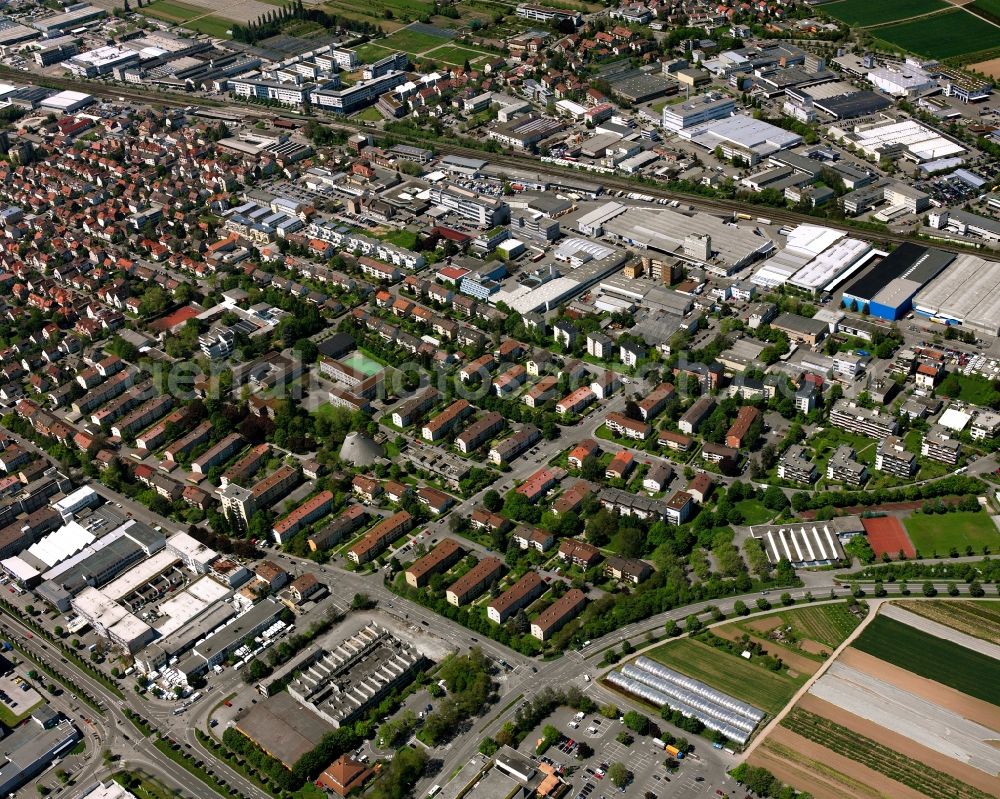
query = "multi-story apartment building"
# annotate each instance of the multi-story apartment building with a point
(239, 504)
(507, 450)
(445, 555)
(795, 465)
(442, 424)
(479, 432)
(893, 457)
(474, 581)
(558, 614)
(518, 596)
(851, 417)
(939, 446)
(696, 414)
(844, 467)
(621, 425)
(379, 537)
(486, 212)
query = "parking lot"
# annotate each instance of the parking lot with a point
(698, 774)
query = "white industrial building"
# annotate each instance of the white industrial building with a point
(967, 292)
(74, 502)
(67, 102)
(741, 136)
(906, 81)
(833, 265)
(696, 111)
(891, 138)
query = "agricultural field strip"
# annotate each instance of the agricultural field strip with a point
(978, 619)
(950, 664)
(939, 630)
(865, 13)
(816, 770)
(945, 35)
(894, 765)
(904, 713)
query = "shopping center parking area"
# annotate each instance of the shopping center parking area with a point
(700, 773)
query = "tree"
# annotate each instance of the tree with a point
(774, 499)
(929, 589)
(618, 774)
(609, 711)
(637, 722)
(492, 501)
(362, 602)
(740, 607)
(692, 624)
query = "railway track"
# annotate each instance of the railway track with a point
(525, 163)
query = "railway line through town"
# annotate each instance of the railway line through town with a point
(213, 108)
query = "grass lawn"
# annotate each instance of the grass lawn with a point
(402, 238)
(943, 35)
(372, 52)
(974, 389)
(7, 715)
(740, 678)
(456, 55)
(951, 664)
(940, 532)
(211, 26)
(754, 512)
(171, 11)
(826, 441)
(410, 41)
(370, 114)
(865, 12)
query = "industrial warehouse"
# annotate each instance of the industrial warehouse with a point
(816, 259)
(887, 291)
(659, 685)
(968, 293)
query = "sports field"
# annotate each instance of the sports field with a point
(940, 532)
(886, 536)
(455, 55)
(740, 678)
(950, 664)
(866, 12)
(410, 41)
(945, 35)
(980, 619)
(362, 363)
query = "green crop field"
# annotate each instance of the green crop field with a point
(950, 664)
(980, 619)
(940, 532)
(865, 12)
(171, 11)
(825, 624)
(987, 8)
(945, 35)
(878, 757)
(740, 678)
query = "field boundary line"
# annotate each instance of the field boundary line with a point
(900, 21)
(874, 606)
